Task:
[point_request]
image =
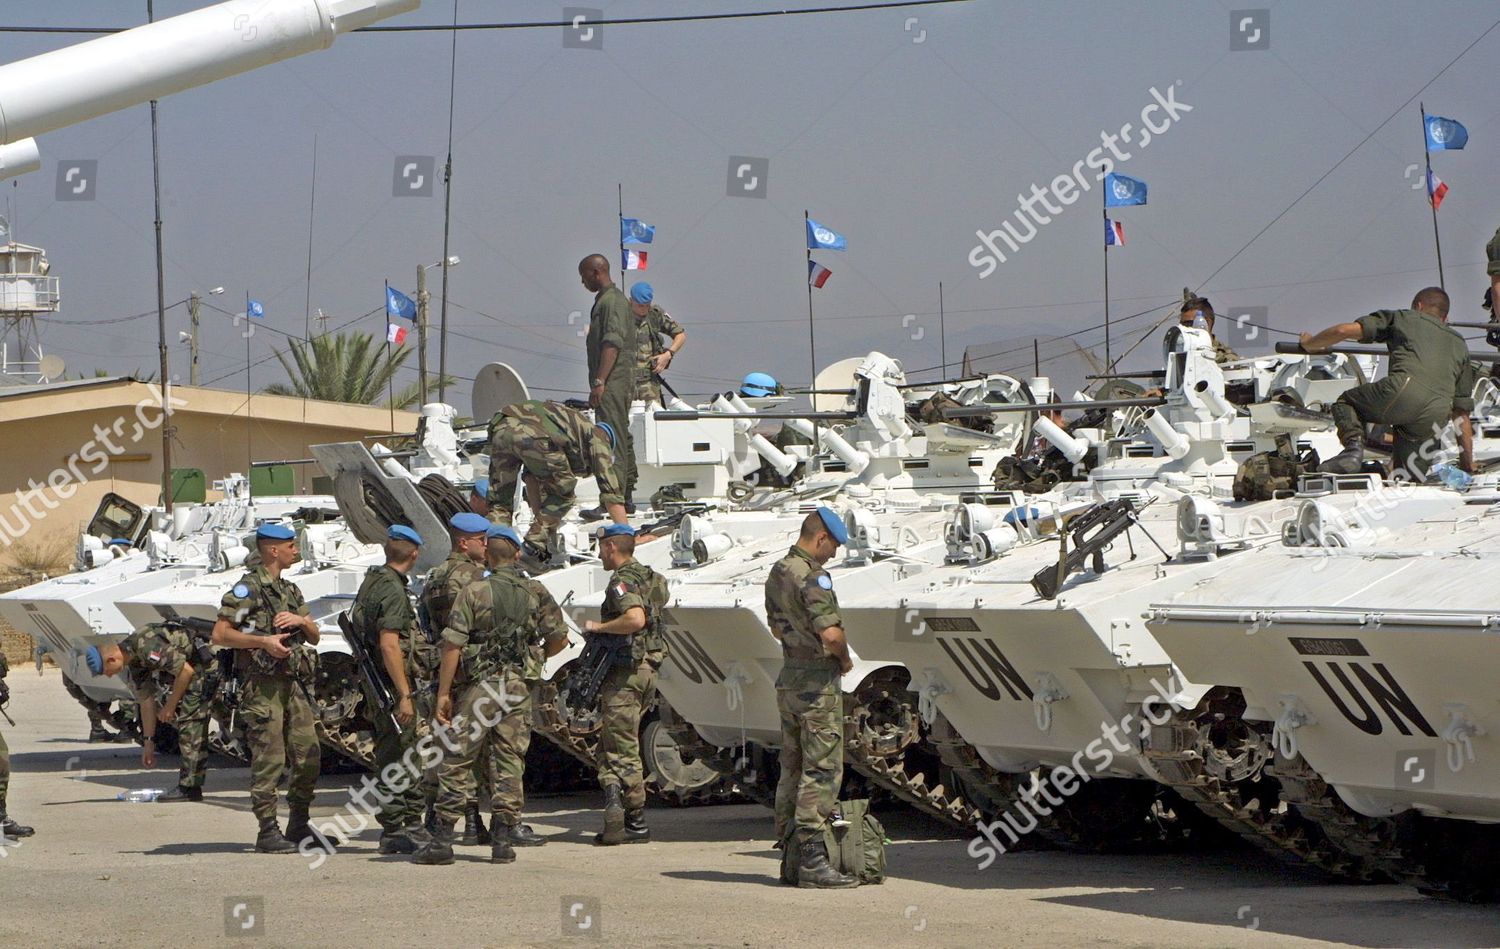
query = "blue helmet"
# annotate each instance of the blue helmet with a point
(95, 660)
(504, 531)
(642, 293)
(608, 430)
(759, 384)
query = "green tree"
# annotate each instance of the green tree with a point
(347, 367)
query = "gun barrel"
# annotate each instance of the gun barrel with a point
(975, 411)
(684, 416)
(1296, 349)
(104, 75)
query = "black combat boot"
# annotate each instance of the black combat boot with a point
(180, 793)
(297, 829)
(636, 831)
(271, 839)
(12, 830)
(438, 851)
(1349, 461)
(98, 733)
(815, 872)
(501, 850)
(517, 835)
(614, 818)
(474, 829)
(394, 840)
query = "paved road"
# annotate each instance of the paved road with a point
(104, 872)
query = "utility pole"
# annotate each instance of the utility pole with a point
(194, 301)
(422, 332)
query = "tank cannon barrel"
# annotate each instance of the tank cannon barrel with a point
(1297, 350)
(18, 158)
(976, 411)
(87, 80)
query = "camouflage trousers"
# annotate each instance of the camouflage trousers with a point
(614, 408)
(1413, 412)
(423, 699)
(95, 710)
(280, 732)
(4, 771)
(398, 808)
(517, 445)
(191, 723)
(623, 698)
(481, 725)
(812, 754)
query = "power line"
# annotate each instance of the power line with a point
(555, 24)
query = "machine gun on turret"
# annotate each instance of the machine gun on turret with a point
(1092, 532)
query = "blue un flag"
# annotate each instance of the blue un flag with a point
(1445, 134)
(1121, 191)
(399, 304)
(635, 231)
(820, 236)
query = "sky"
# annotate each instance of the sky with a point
(1293, 184)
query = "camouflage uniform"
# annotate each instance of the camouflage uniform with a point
(155, 655)
(612, 323)
(556, 445)
(800, 604)
(627, 690)
(1222, 353)
(4, 750)
(382, 603)
(1492, 254)
(649, 330)
(279, 724)
(446, 581)
(1430, 377)
(496, 624)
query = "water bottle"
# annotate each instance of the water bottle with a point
(1453, 476)
(140, 795)
(1199, 321)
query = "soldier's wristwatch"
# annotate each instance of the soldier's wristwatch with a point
(598, 383)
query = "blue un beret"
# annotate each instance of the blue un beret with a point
(642, 293)
(275, 532)
(835, 525)
(402, 532)
(617, 530)
(119, 542)
(95, 660)
(504, 530)
(468, 523)
(482, 487)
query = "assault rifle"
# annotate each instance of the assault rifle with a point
(1093, 532)
(601, 653)
(385, 702)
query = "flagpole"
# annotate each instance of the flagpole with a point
(812, 345)
(1104, 213)
(942, 333)
(1427, 183)
(620, 223)
(447, 216)
(389, 385)
(249, 450)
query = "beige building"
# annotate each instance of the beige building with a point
(67, 444)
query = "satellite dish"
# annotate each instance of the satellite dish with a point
(51, 367)
(496, 386)
(840, 375)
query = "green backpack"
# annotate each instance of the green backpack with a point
(857, 848)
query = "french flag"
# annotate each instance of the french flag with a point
(817, 274)
(1436, 190)
(395, 334)
(1114, 233)
(633, 260)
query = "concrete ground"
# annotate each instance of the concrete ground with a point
(105, 872)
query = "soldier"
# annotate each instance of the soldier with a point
(9, 829)
(159, 660)
(651, 324)
(96, 712)
(1194, 308)
(633, 602)
(383, 616)
(1492, 254)
(479, 497)
(489, 650)
(265, 618)
(611, 360)
(803, 614)
(465, 565)
(1430, 381)
(556, 446)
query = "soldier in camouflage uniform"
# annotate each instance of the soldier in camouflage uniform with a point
(258, 616)
(489, 651)
(651, 324)
(803, 614)
(1192, 308)
(9, 829)
(633, 603)
(465, 565)
(611, 347)
(1429, 382)
(164, 660)
(382, 615)
(1492, 254)
(556, 446)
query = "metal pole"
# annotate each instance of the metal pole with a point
(812, 344)
(422, 332)
(165, 376)
(620, 206)
(1427, 184)
(194, 302)
(1107, 360)
(942, 329)
(447, 216)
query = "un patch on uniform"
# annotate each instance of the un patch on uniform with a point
(824, 582)
(241, 589)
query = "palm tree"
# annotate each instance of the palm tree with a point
(347, 367)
